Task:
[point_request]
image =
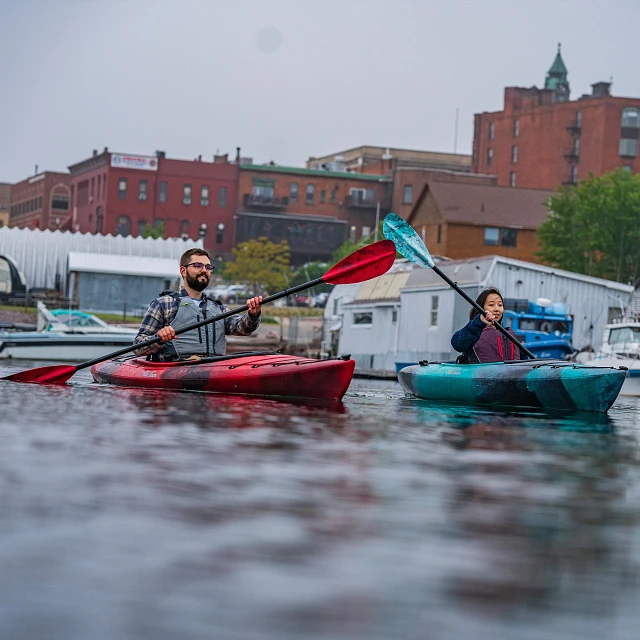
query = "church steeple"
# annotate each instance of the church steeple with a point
(556, 79)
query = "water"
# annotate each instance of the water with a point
(128, 514)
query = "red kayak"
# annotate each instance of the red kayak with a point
(271, 374)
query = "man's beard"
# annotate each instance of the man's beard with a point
(196, 283)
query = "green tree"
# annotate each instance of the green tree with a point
(261, 263)
(594, 228)
(311, 271)
(153, 232)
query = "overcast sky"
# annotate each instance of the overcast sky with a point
(283, 79)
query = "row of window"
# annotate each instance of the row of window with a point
(265, 190)
(516, 129)
(365, 318)
(163, 192)
(35, 204)
(123, 227)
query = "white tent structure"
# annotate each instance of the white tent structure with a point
(43, 255)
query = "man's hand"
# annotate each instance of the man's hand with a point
(166, 333)
(254, 306)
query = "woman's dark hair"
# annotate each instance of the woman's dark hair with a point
(482, 298)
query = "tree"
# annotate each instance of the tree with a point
(311, 271)
(151, 232)
(594, 228)
(261, 263)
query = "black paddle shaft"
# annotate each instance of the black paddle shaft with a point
(474, 304)
(195, 325)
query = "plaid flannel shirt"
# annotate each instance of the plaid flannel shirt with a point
(163, 310)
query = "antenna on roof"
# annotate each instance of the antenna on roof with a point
(455, 135)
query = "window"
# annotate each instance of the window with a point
(576, 147)
(334, 194)
(184, 229)
(439, 233)
(492, 130)
(394, 316)
(516, 128)
(98, 189)
(514, 153)
(512, 179)
(104, 185)
(158, 222)
(509, 237)
(352, 233)
(578, 118)
(92, 189)
(628, 148)
(323, 195)
(366, 231)
(491, 236)
(219, 233)
(222, 197)
(204, 196)
(310, 194)
(162, 192)
(627, 168)
(574, 174)
(40, 202)
(363, 319)
(122, 189)
(433, 320)
(59, 202)
(263, 192)
(407, 194)
(293, 192)
(141, 226)
(142, 190)
(186, 194)
(489, 156)
(631, 118)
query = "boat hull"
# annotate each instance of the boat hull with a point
(60, 347)
(259, 375)
(549, 384)
(631, 386)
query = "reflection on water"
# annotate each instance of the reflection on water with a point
(142, 514)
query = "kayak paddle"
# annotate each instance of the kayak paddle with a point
(366, 263)
(410, 245)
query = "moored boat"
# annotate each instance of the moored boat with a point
(259, 374)
(549, 384)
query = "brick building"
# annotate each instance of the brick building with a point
(542, 139)
(314, 210)
(470, 220)
(120, 194)
(5, 200)
(41, 201)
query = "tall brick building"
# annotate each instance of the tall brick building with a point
(120, 194)
(41, 201)
(542, 138)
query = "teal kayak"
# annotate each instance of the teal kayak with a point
(550, 384)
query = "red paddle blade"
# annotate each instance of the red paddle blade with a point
(371, 261)
(54, 374)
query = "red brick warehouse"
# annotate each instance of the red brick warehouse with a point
(542, 139)
(120, 194)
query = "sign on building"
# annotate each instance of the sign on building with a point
(146, 163)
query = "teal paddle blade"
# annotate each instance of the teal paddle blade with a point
(407, 241)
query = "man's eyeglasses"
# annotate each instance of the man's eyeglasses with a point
(200, 265)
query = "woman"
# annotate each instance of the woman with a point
(479, 340)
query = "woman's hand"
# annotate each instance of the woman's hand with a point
(488, 318)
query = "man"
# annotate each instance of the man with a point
(173, 311)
